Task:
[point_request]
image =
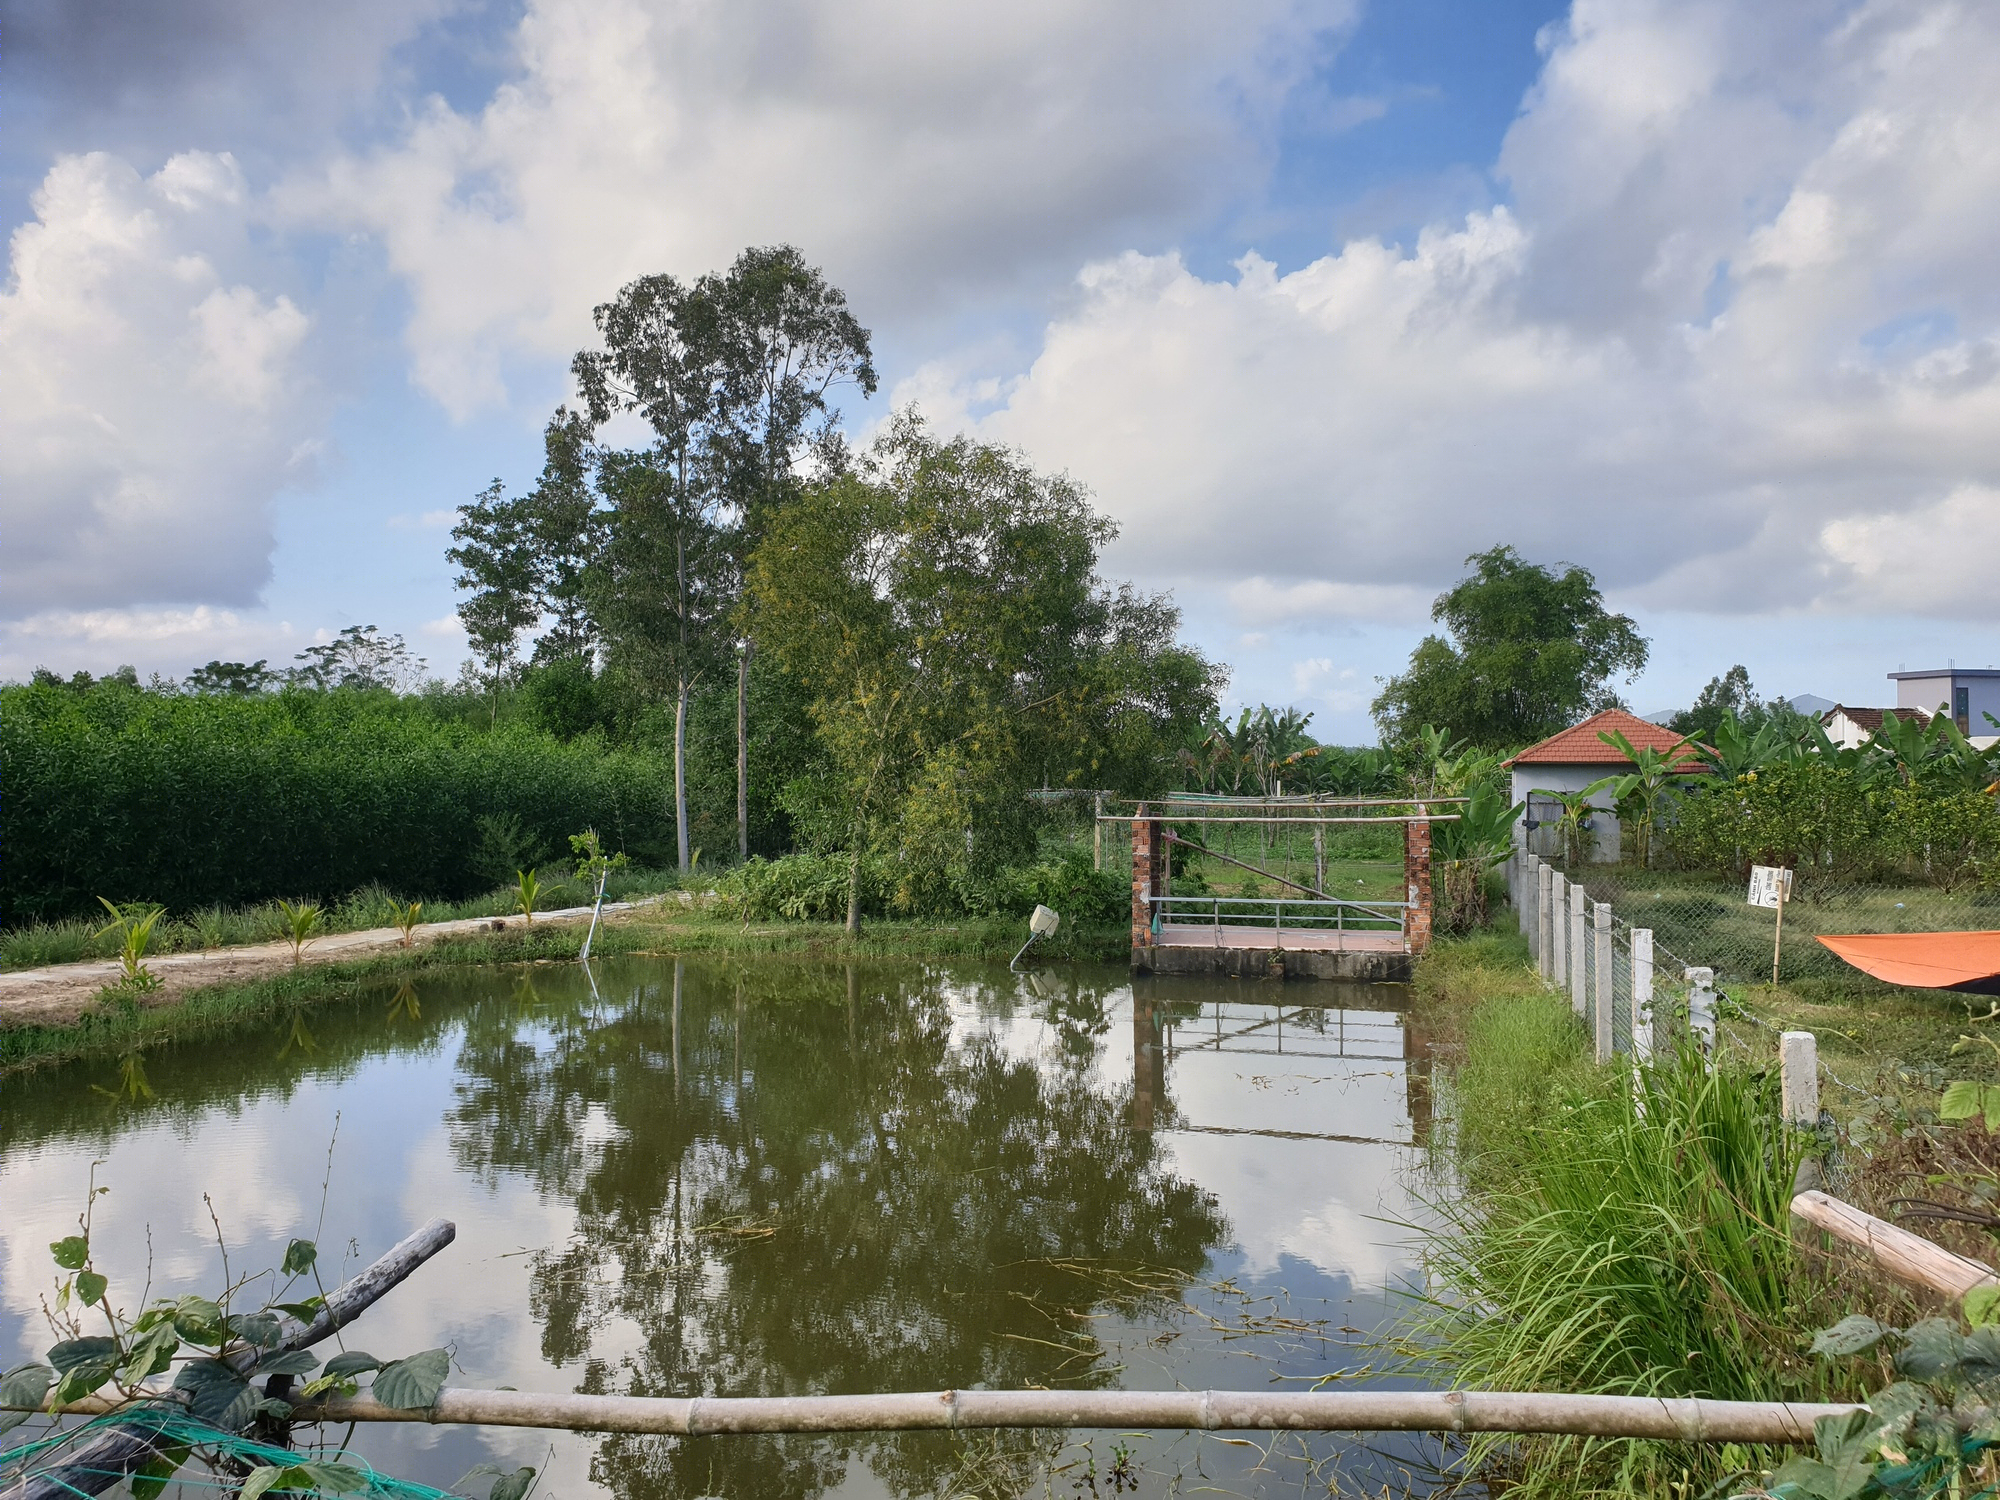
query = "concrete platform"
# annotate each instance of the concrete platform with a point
(1378, 965)
(1290, 940)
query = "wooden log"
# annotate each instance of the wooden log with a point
(115, 1453)
(1693, 1421)
(1906, 1256)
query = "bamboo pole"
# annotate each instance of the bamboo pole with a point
(1906, 1256)
(1208, 1411)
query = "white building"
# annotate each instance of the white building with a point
(1569, 762)
(1968, 694)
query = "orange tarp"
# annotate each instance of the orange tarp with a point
(1968, 961)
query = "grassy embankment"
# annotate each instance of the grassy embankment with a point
(1607, 1237)
(117, 1025)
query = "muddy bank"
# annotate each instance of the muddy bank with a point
(60, 994)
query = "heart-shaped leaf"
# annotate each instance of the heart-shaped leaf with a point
(161, 1467)
(71, 1253)
(299, 1257)
(1849, 1336)
(413, 1383)
(288, 1362)
(216, 1394)
(151, 1354)
(332, 1478)
(260, 1479)
(258, 1328)
(352, 1362)
(23, 1386)
(198, 1320)
(90, 1287)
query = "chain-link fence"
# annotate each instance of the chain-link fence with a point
(1633, 991)
(1712, 920)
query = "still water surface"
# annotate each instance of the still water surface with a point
(727, 1177)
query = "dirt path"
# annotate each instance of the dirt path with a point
(59, 994)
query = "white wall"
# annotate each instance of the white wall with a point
(1604, 824)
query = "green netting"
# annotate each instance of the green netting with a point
(59, 1457)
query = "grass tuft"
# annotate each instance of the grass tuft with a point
(1618, 1230)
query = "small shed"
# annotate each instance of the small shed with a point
(1571, 760)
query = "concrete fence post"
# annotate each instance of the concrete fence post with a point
(1579, 961)
(1701, 1009)
(1642, 994)
(1798, 1067)
(1545, 957)
(1559, 931)
(1604, 992)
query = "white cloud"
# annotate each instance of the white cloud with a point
(167, 641)
(1735, 344)
(430, 520)
(1262, 601)
(155, 402)
(917, 151)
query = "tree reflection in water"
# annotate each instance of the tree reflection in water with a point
(795, 1179)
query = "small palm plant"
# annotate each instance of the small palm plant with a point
(133, 922)
(408, 919)
(301, 927)
(528, 894)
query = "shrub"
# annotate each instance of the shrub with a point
(228, 801)
(1804, 814)
(803, 888)
(1069, 886)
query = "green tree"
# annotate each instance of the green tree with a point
(1729, 696)
(661, 585)
(1528, 652)
(360, 656)
(942, 606)
(785, 339)
(662, 360)
(523, 561)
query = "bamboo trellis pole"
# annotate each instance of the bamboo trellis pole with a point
(1524, 1412)
(1208, 1411)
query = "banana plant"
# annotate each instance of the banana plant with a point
(1574, 822)
(1654, 778)
(1483, 832)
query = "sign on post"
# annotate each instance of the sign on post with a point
(1771, 886)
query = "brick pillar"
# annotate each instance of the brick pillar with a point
(1146, 843)
(1417, 878)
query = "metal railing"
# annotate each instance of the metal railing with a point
(1307, 914)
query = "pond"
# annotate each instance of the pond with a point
(762, 1177)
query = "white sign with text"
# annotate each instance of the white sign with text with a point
(1769, 885)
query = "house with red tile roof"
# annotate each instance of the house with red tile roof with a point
(1571, 760)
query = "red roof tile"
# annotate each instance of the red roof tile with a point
(1579, 745)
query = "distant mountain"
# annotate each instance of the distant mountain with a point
(1665, 717)
(1810, 703)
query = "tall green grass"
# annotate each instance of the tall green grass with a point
(1621, 1231)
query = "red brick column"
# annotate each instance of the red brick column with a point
(1148, 850)
(1417, 877)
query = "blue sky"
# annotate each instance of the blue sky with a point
(1317, 298)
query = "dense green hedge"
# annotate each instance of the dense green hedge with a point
(198, 801)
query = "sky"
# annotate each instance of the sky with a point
(1317, 297)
